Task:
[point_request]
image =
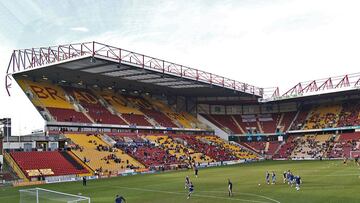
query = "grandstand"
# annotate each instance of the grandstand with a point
(118, 112)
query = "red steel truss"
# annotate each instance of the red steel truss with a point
(26, 59)
(321, 86)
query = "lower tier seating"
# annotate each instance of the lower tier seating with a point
(175, 147)
(236, 149)
(48, 163)
(216, 152)
(100, 156)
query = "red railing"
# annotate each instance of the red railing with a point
(38, 57)
(320, 86)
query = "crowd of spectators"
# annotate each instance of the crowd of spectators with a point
(309, 147)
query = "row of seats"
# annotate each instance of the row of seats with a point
(176, 146)
(324, 116)
(60, 164)
(315, 117)
(239, 152)
(328, 116)
(99, 155)
(61, 102)
(263, 147)
(236, 124)
(310, 146)
(93, 106)
(216, 152)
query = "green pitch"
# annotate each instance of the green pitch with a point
(323, 181)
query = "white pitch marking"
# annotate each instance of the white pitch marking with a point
(195, 195)
(250, 194)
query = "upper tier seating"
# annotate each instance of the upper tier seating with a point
(324, 116)
(95, 109)
(68, 115)
(300, 119)
(159, 117)
(288, 117)
(136, 119)
(58, 163)
(224, 122)
(248, 125)
(194, 122)
(350, 114)
(51, 97)
(45, 94)
(175, 116)
(147, 108)
(100, 156)
(119, 103)
(270, 122)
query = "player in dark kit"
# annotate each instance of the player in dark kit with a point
(273, 177)
(267, 177)
(357, 160)
(84, 180)
(285, 176)
(191, 190)
(119, 199)
(291, 179)
(187, 182)
(230, 185)
(196, 170)
(298, 182)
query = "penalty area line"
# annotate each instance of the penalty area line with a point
(249, 194)
(194, 195)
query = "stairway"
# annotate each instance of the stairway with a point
(267, 146)
(238, 125)
(259, 126)
(280, 122)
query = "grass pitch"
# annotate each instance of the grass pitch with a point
(323, 181)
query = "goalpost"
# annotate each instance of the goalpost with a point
(39, 195)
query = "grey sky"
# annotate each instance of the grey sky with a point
(265, 42)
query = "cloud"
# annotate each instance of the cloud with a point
(80, 29)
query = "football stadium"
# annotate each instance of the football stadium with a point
(135, 124)
(121, 126)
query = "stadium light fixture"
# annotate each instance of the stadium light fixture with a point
(123, 90)
(24, 75)
(44, 77)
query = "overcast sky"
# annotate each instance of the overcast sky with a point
(266, 43)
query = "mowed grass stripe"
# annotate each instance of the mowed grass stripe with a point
(324, 181)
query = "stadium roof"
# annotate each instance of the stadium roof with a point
(97, 64)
